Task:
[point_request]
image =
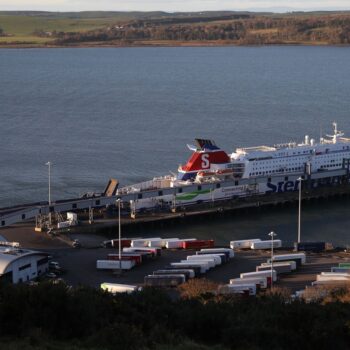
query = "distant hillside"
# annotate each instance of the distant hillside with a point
(36, 28)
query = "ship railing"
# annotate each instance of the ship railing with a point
(286, 145)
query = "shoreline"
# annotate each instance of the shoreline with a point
(169, 44)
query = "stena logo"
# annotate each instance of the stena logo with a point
(205, 161)
(283, 186)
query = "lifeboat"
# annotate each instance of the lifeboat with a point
(203, 174)
(224, 172)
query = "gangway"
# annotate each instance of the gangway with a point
(111, 188)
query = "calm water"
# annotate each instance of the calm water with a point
(128, 114)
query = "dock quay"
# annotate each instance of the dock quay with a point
(109, 220)
(106, 218)
(101, 211)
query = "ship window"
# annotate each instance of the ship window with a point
(179, 190)
(199, 187)
(286, 178)
(236, 183)
(218, 185)
(139, 196)
(160, 193)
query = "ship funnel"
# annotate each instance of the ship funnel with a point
(307, 139)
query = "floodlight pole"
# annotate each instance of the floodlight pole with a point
(272, 235)
(49, 165)
(299, 211)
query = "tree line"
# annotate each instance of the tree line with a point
(254, 30)
(55, 316)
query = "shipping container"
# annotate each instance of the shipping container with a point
(227, 254)
(292, 263)
(189, 273)
(155, 243)
(344, 264)
(216, 258)
(142, 242)
(299, 258)
(124, 243)
(154, 251)
(198, 244)
(233, 289)
(228, 251)
(223, 256)
(276, 243)
(210, 262)
(177, 244)
(188, 265)
(332, 276)
(135, 257)
(195, 269)
(164, 280)
(266, 274)
(341, 269)
(335, 274)
(119, 288)
(332, 283)
(146, 256)
(280, 268)
(310, 246)
(115, 264)
(243, 243)
(165, 240)
(261, 281)
(114, 243)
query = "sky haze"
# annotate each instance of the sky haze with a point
(174, 5)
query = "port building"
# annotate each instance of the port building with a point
(21, 265)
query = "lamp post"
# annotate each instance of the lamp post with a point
(272, 235)
(49, 165)
(119, 235)
(300, 179)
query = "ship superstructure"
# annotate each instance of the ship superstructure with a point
(328, 154)
(258, 161)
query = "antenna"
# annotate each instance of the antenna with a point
(335, 125)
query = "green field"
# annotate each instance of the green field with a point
(21, 28)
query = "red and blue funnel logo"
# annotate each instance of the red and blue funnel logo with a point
(205, 154)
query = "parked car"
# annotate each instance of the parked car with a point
(54, 265)
(76, 244)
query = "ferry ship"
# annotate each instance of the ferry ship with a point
(253, 170)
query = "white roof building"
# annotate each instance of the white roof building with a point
(21, 265)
